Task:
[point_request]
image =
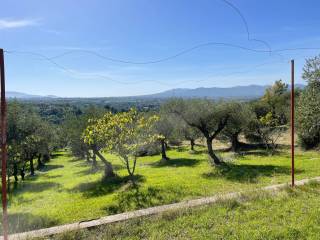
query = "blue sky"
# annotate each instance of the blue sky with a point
(147, 30)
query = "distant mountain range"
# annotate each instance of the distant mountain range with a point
(20, 95)
(237, 92)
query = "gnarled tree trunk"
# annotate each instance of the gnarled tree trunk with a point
(22, 173)
(31, 167)
(163, 151)
(94, 160)
(213, 157)
(40, 163)
(129, 169)
(192, 143)
(15, 172)
(46, 157)
(108, 169)
(87, 155)
(235, 144)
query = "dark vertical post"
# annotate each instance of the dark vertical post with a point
(3, 123)
(292, 123)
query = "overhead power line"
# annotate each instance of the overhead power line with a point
(183, 52)
(78, 75)
(244, 20)
(178, 54)
(159, 60)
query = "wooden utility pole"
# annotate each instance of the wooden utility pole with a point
(292, 123)
(3, 122)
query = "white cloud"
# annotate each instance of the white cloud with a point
(17, 23)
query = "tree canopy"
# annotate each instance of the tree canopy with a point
(209, 117)
(122, 134)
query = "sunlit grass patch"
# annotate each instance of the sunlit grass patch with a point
(67, 190)
(288, 214)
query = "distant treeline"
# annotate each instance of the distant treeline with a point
(55, 110)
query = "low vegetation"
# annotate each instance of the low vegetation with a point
(255, 216)
(68, 190)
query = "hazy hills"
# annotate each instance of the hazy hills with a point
(252, 91)
(236, 92)
(20, 95)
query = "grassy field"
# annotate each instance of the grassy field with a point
(67, 190)
(291, 214)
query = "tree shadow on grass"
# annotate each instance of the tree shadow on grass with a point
(49, 167)
(200, 152)
(89, 171)
(105, 186)
(58, 154)
(259, 146)
(177, 162)
(223, 150)
(139, 198)
(21, 222)
(133, 198)
(257, 153)
(253, 151)
(99, 168)
(205, 151)
(53, 177)
(35, 187)
(246, 172)
(77, 159)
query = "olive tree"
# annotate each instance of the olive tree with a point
(270, 131)
(74, 127)
(308, 117)
(28, 136)
(240, 117)
(277, 100)
(165, 128)
(189, 133)
(308, 110)
(208, 117)
(311, 71)
(14, 138)
(270, 116)
(38, 141)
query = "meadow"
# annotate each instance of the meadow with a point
(291, 214)
(68, 190)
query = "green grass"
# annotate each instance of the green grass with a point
(291, 214)
(67, 191)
